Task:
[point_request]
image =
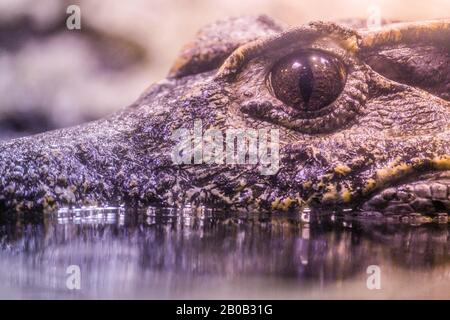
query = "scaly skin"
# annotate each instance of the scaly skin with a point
(382, 145)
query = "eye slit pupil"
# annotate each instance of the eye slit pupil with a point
(306, 84)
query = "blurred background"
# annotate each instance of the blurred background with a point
(52, 77)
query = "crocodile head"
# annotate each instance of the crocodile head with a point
(362, 119)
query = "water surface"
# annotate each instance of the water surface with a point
(168, 254)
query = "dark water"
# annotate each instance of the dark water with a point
(169, 254)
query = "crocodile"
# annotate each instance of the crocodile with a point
(362, 116)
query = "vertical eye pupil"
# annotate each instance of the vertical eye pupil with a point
(306, 83)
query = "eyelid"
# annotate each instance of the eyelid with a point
(346, 39)
(322, 45)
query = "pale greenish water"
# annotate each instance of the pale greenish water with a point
(170, 254)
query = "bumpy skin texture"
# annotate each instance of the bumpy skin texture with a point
(382, 145)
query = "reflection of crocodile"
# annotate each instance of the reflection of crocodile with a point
(323, 250)
(364, 120)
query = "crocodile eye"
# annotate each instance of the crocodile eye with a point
(308, 80)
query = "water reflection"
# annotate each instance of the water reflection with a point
(190, 253)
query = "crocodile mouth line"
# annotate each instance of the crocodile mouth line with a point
(427, 194)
